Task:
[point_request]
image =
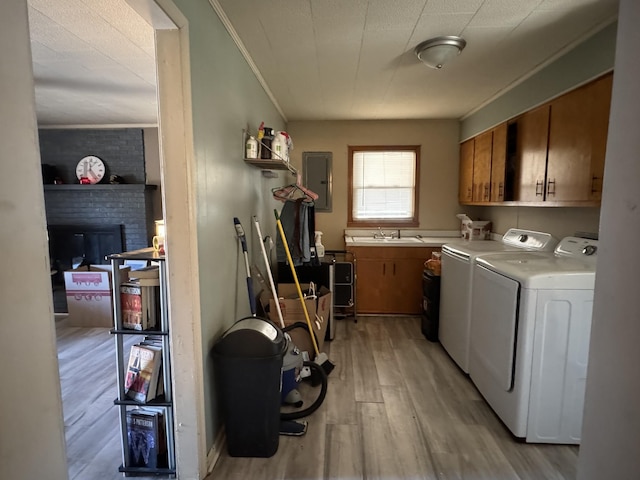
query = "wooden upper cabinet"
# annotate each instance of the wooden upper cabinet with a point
(482, 167)
(598, 131)
(465, 188)
(533, 131)
(568, 174)
(577, 143)
(554, 153)
(498, 163)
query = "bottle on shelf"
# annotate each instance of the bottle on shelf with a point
(251, 148)
(280, 147)
(265, 150)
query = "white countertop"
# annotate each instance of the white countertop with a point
(408, 240)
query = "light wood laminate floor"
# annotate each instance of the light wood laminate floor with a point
(397, 407)
(87, 364)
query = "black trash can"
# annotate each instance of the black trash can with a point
(248, 364)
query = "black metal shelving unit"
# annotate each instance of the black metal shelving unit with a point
(122, 401)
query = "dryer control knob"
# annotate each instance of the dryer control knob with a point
(590, 250)
(523, 238)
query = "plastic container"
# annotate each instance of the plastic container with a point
(251, 148)
(280, 147)
(248, 364)
(474, 229)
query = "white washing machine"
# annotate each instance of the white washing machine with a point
(530, 338)
(456, 284)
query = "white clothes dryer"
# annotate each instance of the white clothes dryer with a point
(530, 338)
(456, 283)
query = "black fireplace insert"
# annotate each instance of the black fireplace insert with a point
(74, 245)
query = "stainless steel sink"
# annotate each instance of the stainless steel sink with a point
(402, 240)
(386, 240)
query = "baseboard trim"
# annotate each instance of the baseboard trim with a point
(214, 453)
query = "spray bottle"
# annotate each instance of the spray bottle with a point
(319, 246)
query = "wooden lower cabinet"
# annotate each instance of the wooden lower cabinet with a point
(389, 279)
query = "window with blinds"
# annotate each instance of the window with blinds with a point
(383, 185)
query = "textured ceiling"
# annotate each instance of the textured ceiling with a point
(93, 63)
(321, 59)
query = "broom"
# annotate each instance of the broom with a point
(287, 427)
(321, 358)
(274, 292)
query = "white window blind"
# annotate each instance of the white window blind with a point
(383, 184)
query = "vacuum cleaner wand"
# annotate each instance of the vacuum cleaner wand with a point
(243, 242)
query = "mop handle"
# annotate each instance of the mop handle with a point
(295, 279)
(268, 268)
(243, 242)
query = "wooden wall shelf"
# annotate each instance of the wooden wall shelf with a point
(98, 186)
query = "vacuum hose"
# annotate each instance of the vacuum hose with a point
(319, 372)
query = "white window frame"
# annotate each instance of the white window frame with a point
(411, 218)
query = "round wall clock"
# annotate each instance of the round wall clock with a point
(90, 169)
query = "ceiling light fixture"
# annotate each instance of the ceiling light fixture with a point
(439, 50)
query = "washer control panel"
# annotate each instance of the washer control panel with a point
(577, 247)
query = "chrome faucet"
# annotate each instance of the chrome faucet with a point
(380, 234)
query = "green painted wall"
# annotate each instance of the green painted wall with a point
(226, 97)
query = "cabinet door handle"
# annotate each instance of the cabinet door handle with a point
(486, 192)
(501, 191)
(384, 268)
(394, 269)
(539, 188)
(549, 190)
(594, 179)
(469, 193)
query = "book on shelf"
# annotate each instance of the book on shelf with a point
(143, 370)
(147, 282)
(155, 342)
(160, 386)
(150, 304)
(140, 304)
(146, 277)
(147, 438)
(151, 271)
(131, 305)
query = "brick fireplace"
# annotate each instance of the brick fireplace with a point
(94, 205)
(87, 222)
